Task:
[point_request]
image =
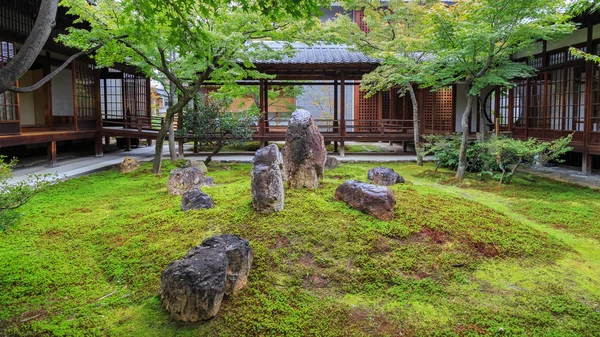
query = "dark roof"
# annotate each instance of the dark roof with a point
(319, 54)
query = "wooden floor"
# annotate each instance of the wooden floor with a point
(34, 137)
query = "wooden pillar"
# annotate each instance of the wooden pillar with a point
(106, 140)
(586, 164)
(342, 113)
(261, 120)
(497, 111)
(586, 167)
(99, 147)
(48, 91)
(404, 146)
(195, 147)
(74, 85)
(52, 162)
(149, 142)
(335, 113)
(128, 144)
(266, 107)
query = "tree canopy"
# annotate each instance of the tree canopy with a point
(475, 39)
(188, 42)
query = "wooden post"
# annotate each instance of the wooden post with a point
(335, 113)
(266, 93)
(342, 114)
(52, 162)
(74, 85)
(48, 91)
(586, 163)
(497, 111)
(261, 120)
(106, 140)
(99, 147)
(128, 144)
(404, 146)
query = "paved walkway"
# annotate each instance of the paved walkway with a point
(567, 174)
(78, 166)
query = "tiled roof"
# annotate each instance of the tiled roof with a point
(319, 54)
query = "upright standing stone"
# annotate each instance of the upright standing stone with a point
(192, 288)
(267, 180)
(305, 153)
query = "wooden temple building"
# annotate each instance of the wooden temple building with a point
(87, 103)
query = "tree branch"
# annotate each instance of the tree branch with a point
(48, 77)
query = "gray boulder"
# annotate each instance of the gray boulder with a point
(305, 153)
(192, 288)
(378, 201)
(196, 199)
(184, 179)
(197, 164)
(384, 176)
(267, 180)
(331, 163)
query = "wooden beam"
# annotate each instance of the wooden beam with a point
(99, 147)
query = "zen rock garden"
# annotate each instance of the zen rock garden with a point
(193, 287)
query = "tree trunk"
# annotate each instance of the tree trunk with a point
(164, 129)
(32, 47)
(462, 156)
(172, 152)
(417, 130)
(482, 120)
(215, 150)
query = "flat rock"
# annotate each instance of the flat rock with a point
(128, 165)
(196, 199)
(384, 176)
(267, 180)
(184, 179)
(192, 288)
(378, 201)
(305, 153)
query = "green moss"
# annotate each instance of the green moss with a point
(87, 257)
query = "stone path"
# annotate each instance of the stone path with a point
(567, 174)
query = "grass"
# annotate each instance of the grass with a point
(522, 259)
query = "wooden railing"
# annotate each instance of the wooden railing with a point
(334, 126)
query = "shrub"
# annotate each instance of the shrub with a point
(499, 154)
(445, 150)
(509, 154)
(211, 125)
(16, 194)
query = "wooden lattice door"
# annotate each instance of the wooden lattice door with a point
(438, 111)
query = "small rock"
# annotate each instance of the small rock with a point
(267, 180)
(128, 165)
(305, 153)
(197, 164)
(378, 201)
(384, 176)
(192, 288)
(196, 199)
(331, 163)
(184, 179)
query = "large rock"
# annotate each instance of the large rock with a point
(331, 163)
(267, 180)
(184, 179)
(192, 288)
(384, 176)
(196, 199)
(197, 164)
(128, 165)
(378, 201)
(305, 154)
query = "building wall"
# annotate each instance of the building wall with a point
(32, 103)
